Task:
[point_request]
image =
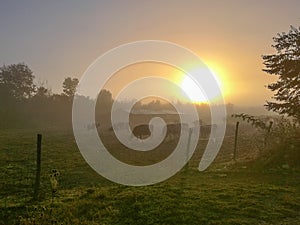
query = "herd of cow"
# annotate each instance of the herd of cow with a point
(173, 129)
(144, 130)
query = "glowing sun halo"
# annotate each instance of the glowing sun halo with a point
(193, 92)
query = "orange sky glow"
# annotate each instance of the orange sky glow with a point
(58, 39)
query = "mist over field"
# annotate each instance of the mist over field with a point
(139, 112)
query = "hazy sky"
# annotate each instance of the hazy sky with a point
(62, 38)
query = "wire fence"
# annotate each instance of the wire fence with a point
(59, 151)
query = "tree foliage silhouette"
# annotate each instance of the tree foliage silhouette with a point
(16, 80)
(69, 86)
(286, 65)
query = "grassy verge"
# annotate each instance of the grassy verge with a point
(221, 195)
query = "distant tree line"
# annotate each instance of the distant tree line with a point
(23, 103)
(26, 104)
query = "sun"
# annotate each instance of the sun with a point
(194, 93)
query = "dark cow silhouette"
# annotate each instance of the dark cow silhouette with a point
(142, 131)
(205, 130)
(174, 129)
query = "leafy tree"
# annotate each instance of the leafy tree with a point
(69, 86)
(42, 92)
(104, 101)
(17, 80)
(105, 96)
(286, 65)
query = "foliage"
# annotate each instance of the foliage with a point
(254, 121)
(281, 140)
(53, 180)
(286, 65)
(42, 92)
(17, 80)
(69, 86)
(25, 104)
(285, 144)
(104, 101)
(264, 127)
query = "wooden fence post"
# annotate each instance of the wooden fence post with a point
(38, 167)
(235, 140)
(188, 146)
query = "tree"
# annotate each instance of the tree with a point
(69, 86)
(105, 97)
(17, 80)
(42, 92)
(104, 102)
(286, 65)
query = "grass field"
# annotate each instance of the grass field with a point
(226, 193)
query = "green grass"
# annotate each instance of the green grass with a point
(224, 194)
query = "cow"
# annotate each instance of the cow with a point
(174, 129)
(142, 131)
(206, 130)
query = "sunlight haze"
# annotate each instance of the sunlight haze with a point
(60, 39)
